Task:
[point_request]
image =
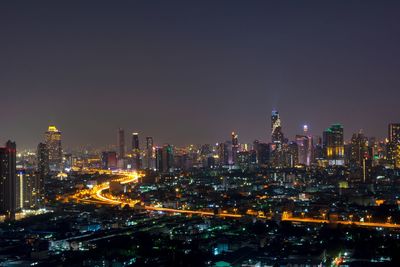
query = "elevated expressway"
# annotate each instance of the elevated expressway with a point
(97, 195)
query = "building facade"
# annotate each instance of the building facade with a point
(333, 143)
(8, 181)
(54, 148)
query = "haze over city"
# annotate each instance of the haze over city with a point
(193, 72)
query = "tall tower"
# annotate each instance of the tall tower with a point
(235, 147)
(135, 141)
(121, 143)
(8, 180)
(276, 128)
(42, 170)
(167, 158)
(150, 153)
(53, 144)
(159, 159)
(136, 150)
(393, 147)
(302, 142)
(310, 145)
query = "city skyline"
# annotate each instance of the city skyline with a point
(200, 133)
(113, 138)
(114, 142)
(199, 70)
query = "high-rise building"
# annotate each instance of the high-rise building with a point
(263, 153)
(135, 141)
(303, 149)
(293, 153)
(8, 181)
(358, 150)
(149, 154)
(159, 158)
(224, 153)
(121, 143)
(276, 128)
(136, 151)
(333, 143)
(235, 147)
(393, 146)
(42, 171)
(310, 146)
(167, 158)
(164, 158)
(28, 195)
(394, 132)
(54, 148)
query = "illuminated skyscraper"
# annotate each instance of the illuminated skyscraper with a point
(8, 181)
(310, 146)
(333, 143)
(394, 132)
(393, 146)
(54, 148)
(235, 147)
(276, 128)
(150, 157)
(135, 141)
(121, 143)
(28, 195)
(302, 142)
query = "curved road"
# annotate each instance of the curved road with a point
(97, 193)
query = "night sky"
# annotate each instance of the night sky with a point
(193, 71)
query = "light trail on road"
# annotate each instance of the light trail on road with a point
(97, 193)
(130, 178)
(320, 221)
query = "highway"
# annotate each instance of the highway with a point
(96, 196)
(127, 178)
(356, 223)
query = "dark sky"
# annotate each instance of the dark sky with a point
(193, 71)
